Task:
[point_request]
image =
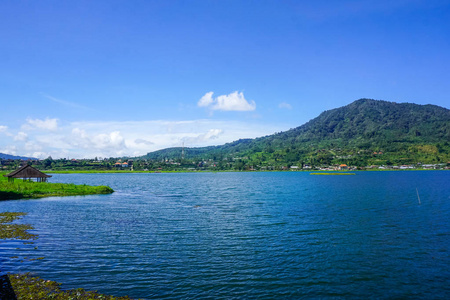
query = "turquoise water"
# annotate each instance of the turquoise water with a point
(244, 235)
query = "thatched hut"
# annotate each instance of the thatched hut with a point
(27, 172)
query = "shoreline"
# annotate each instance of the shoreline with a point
(225, 171)
(20, 189)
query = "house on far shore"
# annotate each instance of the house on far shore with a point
(343, 167)
(27, 172)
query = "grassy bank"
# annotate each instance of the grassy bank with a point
(25, 189)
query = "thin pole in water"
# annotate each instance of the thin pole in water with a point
(418, 195)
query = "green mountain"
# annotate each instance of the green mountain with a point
(361, 133)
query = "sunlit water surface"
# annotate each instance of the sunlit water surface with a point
(244, 235)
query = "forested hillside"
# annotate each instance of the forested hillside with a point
(365, 132)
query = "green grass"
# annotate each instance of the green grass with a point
(20, 189)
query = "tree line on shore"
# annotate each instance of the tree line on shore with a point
(419, 157)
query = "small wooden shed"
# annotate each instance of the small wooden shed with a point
(27, 172)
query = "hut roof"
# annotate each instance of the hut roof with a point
(27, 172)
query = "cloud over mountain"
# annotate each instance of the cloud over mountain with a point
(117, 138)
(232, 102)
(210, 135)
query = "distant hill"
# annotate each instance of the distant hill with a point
(378, 121)
(8, 156)
(402, 132)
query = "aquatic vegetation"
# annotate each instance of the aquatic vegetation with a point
(26, 286)
(29, 189)
(14, 231)
(11, 231)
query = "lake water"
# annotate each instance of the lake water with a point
(268, 235)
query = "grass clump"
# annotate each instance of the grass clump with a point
(26, 286)
(14, 231)
(28, 189)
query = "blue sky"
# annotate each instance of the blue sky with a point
(111, 78)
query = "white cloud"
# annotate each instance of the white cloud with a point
(9, 149)
(79, 133)
(111, 141)
(142, 141)
(33, 146)
(231, 102)
(21, 136)
(146, 136)
(5, 131)
(130, 138)
(47, 124)
(285, 105)
(206, 100)
(38, 154)
(212, 134)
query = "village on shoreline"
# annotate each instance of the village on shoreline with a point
(123, 165)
